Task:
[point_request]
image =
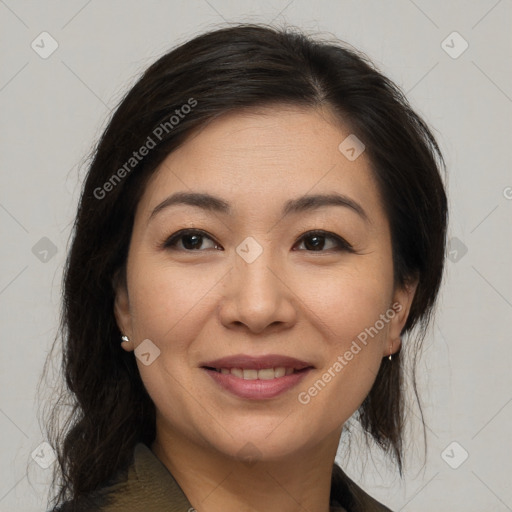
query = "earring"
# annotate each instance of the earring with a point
(125, 338)
(390, 352)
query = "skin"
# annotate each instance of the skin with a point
(200, 304)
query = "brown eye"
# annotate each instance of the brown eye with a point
(321, 241)
(190, 240)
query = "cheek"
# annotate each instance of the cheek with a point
(168, 307)
(166, 300)
(349, 307)
(349, 300)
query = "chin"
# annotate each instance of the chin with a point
(252, 445)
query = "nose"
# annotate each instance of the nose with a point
(256, 297)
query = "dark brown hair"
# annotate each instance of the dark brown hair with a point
(241, 66)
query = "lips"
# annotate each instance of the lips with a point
(246, 362)
(257, 377)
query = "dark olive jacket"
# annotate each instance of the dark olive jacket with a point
(148, 486)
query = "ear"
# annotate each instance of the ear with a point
(122, 308)
(402, 301)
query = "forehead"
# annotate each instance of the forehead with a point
(264, 158)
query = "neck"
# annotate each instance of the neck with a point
(213, 482)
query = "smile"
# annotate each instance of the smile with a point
(256, 377)
(253, 374)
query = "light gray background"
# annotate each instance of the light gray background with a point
(53, 110)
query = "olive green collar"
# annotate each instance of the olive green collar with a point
(149, 486)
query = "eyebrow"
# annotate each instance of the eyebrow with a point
(199, 200)
(305, 203)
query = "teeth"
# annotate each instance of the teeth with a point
(263, 374)
(250, 374)
(281, 372)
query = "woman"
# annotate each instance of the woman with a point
(261, 224)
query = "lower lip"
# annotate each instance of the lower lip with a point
(257, 389)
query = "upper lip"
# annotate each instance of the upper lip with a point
(257, 362)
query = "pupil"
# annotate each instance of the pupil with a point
(196, 241)
(315, 245)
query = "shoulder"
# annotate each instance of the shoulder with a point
(145, 485)
(350, 496)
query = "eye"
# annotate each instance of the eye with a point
(191, 240)
(322, 241)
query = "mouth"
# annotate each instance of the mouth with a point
(257, 377)
(255, 374)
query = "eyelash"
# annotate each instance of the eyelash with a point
(343, 245)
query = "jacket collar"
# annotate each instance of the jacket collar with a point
(156, 478)
(148, 485)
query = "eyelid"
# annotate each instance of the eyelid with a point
(341, 242)
(170, 240)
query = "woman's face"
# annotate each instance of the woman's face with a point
(286, 263)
